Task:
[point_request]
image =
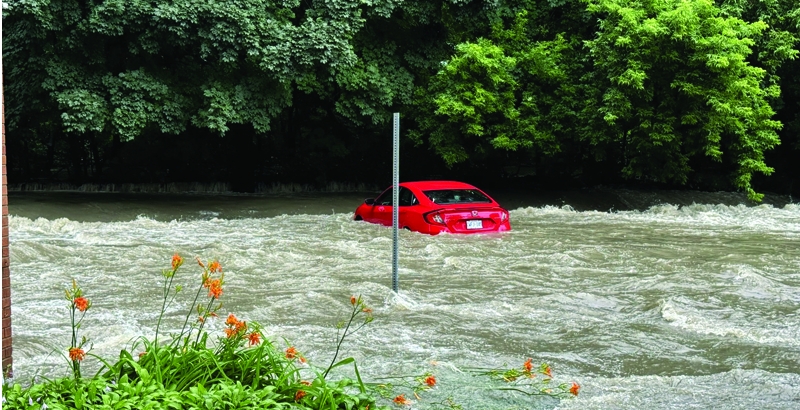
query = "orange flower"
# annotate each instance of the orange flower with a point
(81, 303)
(430, 381)
(241, 326)
(254, 338)
(215, 288)
(305, 382)
(402, 400)
(199, 262)
(176, 261)
(353, 300)
(547, 371)
(366, 310)
(236, 327)
(214, 267)
(528, 366)
(299, 395)
(291, 353)
(201, 319)
(574, 389)
(76, 354)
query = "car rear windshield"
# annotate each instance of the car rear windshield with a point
(457, 196)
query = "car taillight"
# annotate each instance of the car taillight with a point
(434, 218)
(503, 216)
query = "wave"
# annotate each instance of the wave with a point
(729, 322)
(736, 389)
(762, 217)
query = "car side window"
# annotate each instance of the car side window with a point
(385, 198)
(407, 197)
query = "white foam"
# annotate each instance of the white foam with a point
(710, 322)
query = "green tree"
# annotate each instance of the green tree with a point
(112, 71)
(679, 86)
(657, 90)
(672, 91)
(776, 51)
(494, 93)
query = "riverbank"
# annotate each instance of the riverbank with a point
(598, 198)
(189, 187)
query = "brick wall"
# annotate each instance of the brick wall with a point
(6, 274)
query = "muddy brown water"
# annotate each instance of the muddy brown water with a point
(649, 300)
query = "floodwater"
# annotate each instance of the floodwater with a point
(673, 305)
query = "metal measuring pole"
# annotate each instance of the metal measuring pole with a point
(395, 198)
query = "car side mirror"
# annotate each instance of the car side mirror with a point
(369, 201)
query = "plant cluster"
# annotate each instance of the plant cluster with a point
(531, 381)
(238, 369)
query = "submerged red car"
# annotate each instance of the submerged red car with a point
(434, 207)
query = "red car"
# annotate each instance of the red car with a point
(434, 207)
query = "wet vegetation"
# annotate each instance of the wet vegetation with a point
(681, 93)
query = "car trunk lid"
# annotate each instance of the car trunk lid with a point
(469, 219)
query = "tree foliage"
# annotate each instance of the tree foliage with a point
(669, 84)
(671, 91)
(118, 67)
(494, 93)
(679, 85)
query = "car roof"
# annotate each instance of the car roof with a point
(425, 185)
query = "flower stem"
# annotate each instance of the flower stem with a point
(188, 315)
(76, 365)
(341, 340)
(165, 294)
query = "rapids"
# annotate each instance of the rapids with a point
(682, 305)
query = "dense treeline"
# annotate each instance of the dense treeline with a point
(698, 93)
